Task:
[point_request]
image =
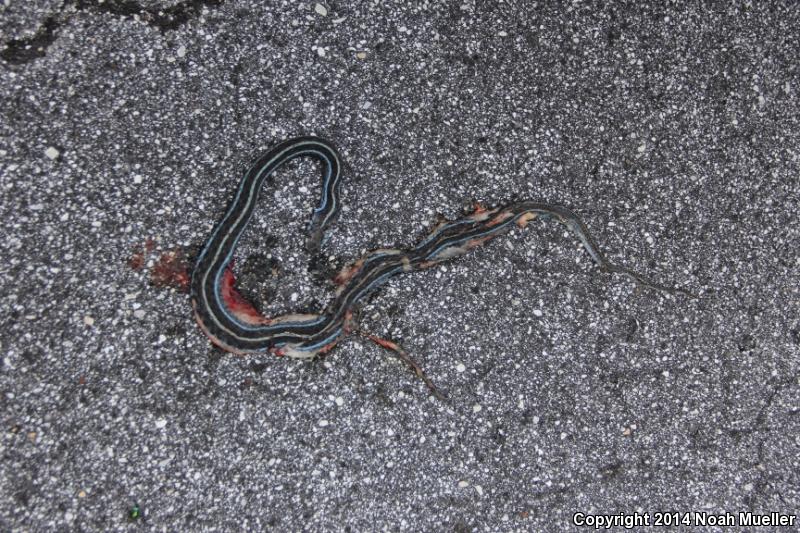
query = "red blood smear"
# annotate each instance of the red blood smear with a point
(236, 303)
(171, 270)
(136, 261)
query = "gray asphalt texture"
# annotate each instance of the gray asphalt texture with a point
(672, 131)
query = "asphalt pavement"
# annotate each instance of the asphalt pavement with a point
(571, 393)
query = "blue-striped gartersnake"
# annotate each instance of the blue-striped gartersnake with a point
(234, 325)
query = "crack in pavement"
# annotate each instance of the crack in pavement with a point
(24, 50)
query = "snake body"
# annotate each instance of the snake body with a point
(232, 324)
